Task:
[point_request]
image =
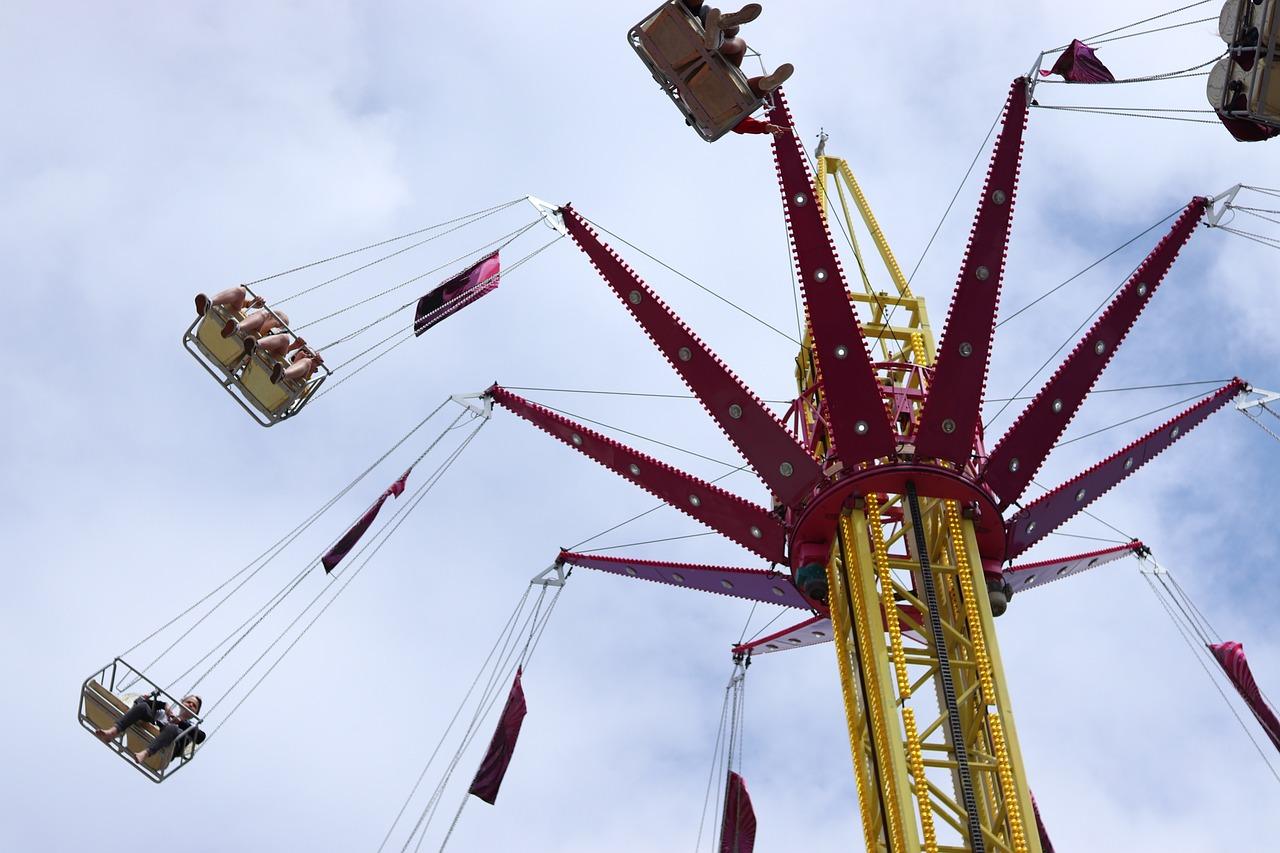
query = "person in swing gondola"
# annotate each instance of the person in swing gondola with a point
(174, 722)
(257, 324)
(721, 34)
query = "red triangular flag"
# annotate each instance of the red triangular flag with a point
(738, 829)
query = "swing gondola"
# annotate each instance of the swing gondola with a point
(107, 695)
(712, 93)
(247, 376)
(1244, 87)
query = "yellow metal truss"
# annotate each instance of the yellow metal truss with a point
(932, 735)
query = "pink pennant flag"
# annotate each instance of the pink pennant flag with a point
(494, 766)
(352, 536)
(1230, 656)
(1080, 64)
(738, 829)
(457, 293)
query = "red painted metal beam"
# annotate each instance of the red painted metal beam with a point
(1052, 510)
(762, 439)
(1032, 575)
(859, 425)
(751, 526)
(949, 422)
(751, 584)
(1016, 459)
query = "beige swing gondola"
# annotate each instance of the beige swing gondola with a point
(711, 92)
(247, 378)
(103, 700)
(1251, 28)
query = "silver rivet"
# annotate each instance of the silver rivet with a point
(982, 273)
(1142, 289)
(1014, 464)
(966, 349)
(1029, 579)
(1128, 463)
(631, 571)
(861, 427)
(755, 532)
(948, 426)
(634, 297)
(695, 500)
(1057, 406)
(677, 577)
(1080, 495)
(1064, 570)
(786, 469)
(819, 274)
(577, 440)
(999, 196)
(735, 411)
(1100, 347)
(1031, 527)
(818, 634)
(634, 469)
(685, 353)
(842, 351)
(777, 590)
(773, 647)
(1176, 431)
(727, 584)
(800, 199)
(794, 641)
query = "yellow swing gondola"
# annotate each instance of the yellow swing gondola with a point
(247, 377)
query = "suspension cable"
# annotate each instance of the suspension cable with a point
(472, 217)
(1127, 421)
(275, 548)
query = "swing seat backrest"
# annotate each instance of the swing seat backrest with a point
(708, 89)
(272, 397)
(225, 351)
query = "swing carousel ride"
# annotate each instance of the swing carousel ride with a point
(894, 527)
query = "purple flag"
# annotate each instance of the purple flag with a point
(1079, 64)
(738, 830)
(457, 293)
(1231, 657)
(494, 766)
(352, 536)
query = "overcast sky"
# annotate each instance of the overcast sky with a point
(156, 150)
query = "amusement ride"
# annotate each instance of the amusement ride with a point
(893, 524)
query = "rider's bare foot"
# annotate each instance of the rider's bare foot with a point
(140, 756)
(106, 735)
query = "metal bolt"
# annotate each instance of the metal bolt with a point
(1031, 526)
(695, 500)
(861, 427)
(634, 297)
(999, 196)
(982, 273)
(1142, 289)
(778, 591)
(841, 351)
(577, 440)
(631, 571)
(1100, 347)
(685, 353)
(818, 634)
(1176, 431)
(819, 274)
(1014, 464)
(1128, 463)
(677, 577)
(948, 426)
(794, 641)
(755, 532)
(634, 469)
(727, 584)
(735, 411)
(1057, 406)
(1080, 495)
(966, 349)
(786, 469)
(800, 199)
